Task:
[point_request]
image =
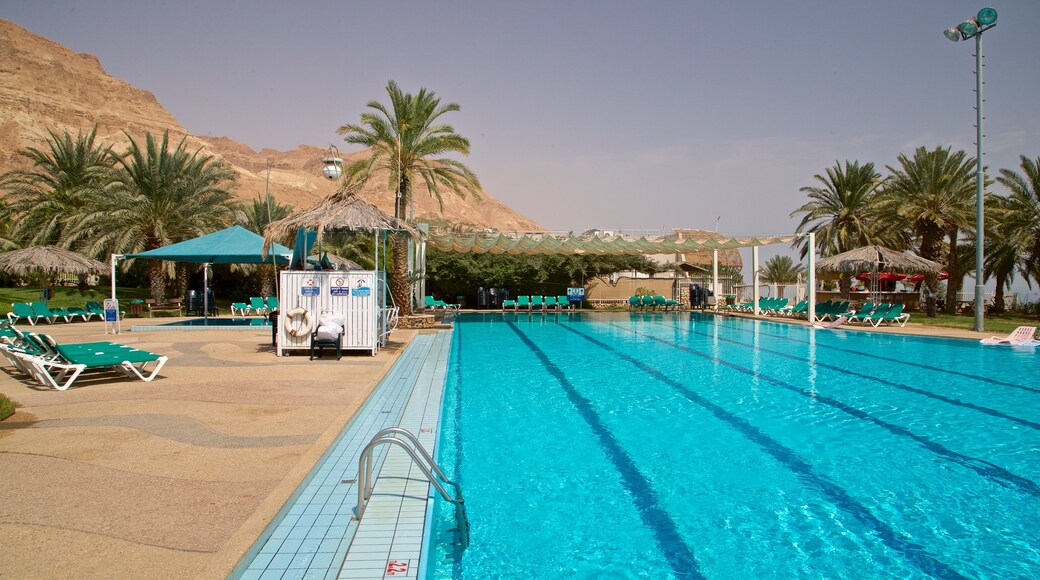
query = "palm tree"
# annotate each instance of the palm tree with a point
(404, 141)
(782, 271)
(932, 195)
(1020, 216)
(47, 198)
(255, 216)
(160, 196)
(841, 212)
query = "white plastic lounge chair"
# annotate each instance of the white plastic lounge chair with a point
(1020, 335)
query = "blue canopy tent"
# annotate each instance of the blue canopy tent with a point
(234, 245)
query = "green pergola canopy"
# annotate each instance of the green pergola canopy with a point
(480, 243)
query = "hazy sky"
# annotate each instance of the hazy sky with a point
(608, 114)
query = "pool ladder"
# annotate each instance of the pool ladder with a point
(422, 459)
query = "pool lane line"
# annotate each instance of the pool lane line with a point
(987, 380)
(789, 458)
(986, 469)
(670, 542)
(457, 564)
(883, 382)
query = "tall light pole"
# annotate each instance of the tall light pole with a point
(973, 28)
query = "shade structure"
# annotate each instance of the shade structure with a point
(878, 259)
(535, 243)
(337, 212)
(48, 261)
(234, 245)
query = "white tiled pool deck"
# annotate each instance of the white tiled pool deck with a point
(315, 535)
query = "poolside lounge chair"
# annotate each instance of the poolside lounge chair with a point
(21, 310)
(893, 314)
(791, 311)
(431, 303)
(523, 302)
(272, 303)
(241, 308)
(258, 305)
(51, 315)
(648, 301)
(635, 302)
(73, 359)
(863, 314)
(82, 313)
(665, 303)
(564, 303)
(507, 303)
(550, 302)
(1021, 335)
(537, 302)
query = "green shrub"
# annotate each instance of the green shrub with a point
(6, 407)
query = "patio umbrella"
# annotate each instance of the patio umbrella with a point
(876, 259)
(48, 261)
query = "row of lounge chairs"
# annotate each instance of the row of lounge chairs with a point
(34, 312)
(433, 303)
(830, 311)
(257, 306)
(652, 302)
(58, 366)
(538, 303)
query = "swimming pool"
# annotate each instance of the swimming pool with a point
(687, 445)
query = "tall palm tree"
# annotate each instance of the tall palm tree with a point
(841, 212)
(404, 141)
(160, 196)
(782, 271)
(932, 195)
(254, 216)
(45, 199)
(1020, 216)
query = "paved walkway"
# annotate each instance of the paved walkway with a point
(175, 478)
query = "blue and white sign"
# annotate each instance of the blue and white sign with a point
(339, 287)
(576, 294)
(365, 291)
(310, 287)
(111, 310)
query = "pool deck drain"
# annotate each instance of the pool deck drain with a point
(315, 535)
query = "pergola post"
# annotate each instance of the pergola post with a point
(716, 289)
(812, 277)
(754, 278)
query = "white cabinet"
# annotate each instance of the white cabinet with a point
(357, 295)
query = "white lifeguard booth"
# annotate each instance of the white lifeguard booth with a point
(358, 295)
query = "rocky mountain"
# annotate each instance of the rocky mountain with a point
(46, 87)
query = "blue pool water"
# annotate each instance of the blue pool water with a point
(686, 446)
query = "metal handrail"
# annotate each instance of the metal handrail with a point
(423, 460)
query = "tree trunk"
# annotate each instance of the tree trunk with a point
(845, 285)
(400, 289)
(931, 242)
(267, 285)
(181, 283)
(953, 267)
(157, 280)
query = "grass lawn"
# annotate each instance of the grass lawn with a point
(65, 296)
(998, 324)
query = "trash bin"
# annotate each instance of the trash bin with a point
(136, 307)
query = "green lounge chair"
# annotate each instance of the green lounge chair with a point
(635, 302)
(537, 303)
(894, 314)
(51, 315)
(563, 302)
(77, 311)
(648, 301)
(790, 311)
(20, 310)
(509, 304)
(272, 303)
(74, 359)
(863, 313)
(550, 302)
(523, 302)
(665, 303)
(257, 305)
(879, 311)
(240, 308)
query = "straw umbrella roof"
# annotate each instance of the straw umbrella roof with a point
(48, 261)
(336, 212)
(342, 263)
(879, 258)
